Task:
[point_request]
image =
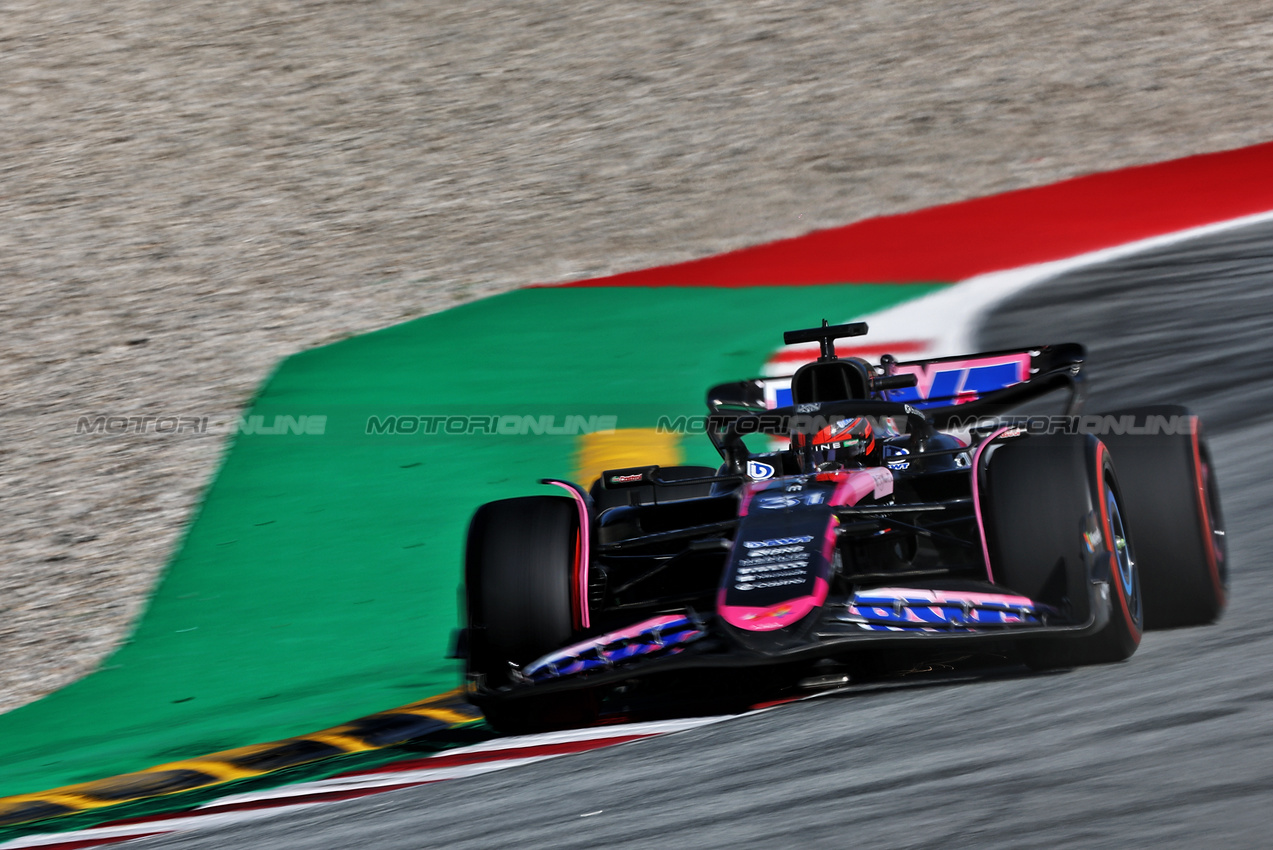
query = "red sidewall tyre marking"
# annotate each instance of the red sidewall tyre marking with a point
(1204, 511)
(576, 591)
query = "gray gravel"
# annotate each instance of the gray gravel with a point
(189, 192)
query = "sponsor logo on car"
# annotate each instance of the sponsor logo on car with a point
(961, 380)
(778, 541)
(775, 502)
(780, 611)
(779, 580)
(759, 471)
(760, 563)
(775, 550)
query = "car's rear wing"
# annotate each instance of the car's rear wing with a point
(986, 384)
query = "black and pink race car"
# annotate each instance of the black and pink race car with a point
(862, 514)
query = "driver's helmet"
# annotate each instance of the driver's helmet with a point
(847, 443)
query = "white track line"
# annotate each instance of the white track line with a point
(292, 797)
(948, 320)
(109, 834)
(389, 775)
(650, 727)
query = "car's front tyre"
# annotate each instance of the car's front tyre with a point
(520, 565)
(1055, 524)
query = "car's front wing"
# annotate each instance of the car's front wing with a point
(878, 618)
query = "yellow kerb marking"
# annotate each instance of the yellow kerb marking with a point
(445, 715)
(447, 707)
(335, 738)
(624, 447)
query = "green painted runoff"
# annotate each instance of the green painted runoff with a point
(318, 581)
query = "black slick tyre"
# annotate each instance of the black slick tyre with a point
(1172, 501)
(522, 599)
(1056, 534)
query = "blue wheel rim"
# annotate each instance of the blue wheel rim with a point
(1124, 557)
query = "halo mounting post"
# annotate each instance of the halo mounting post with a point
(825, 336)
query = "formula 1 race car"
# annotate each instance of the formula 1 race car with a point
(861, 512)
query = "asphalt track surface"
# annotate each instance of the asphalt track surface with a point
(1171, 749)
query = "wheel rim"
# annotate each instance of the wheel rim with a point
(1124, 557)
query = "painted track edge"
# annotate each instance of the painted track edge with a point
(408, 723)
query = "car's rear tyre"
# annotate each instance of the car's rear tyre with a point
(1055, 524)
(1172, 501)
(520, 568)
